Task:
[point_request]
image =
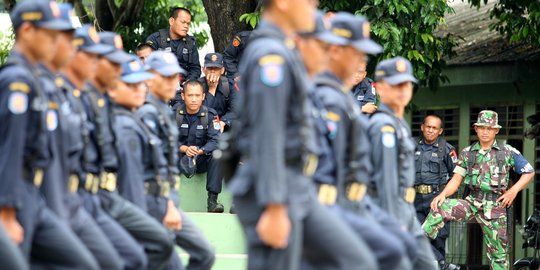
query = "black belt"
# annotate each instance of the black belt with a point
(484, 196)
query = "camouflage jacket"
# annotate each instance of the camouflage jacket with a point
(489, 169)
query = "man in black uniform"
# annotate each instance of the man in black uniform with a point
(199, 132)
(363, 90)
(176, 40)
(218, 94)
(233, 54)
(272, 190)
(434, 164)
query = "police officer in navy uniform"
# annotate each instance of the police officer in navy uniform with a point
(102, 163)
(72, 80)
(199, 131)
(63, 172)
(160, 120)
(176, 40)
(392, 178)
(233, 53)
(219, 91)
(363, 90)
(272, 190)
(434, 164)
(26, 142)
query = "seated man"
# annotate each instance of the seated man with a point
(217, 90)
(199, 130)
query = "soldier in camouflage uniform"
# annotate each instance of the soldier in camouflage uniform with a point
(485, 167)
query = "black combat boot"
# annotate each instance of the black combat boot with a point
(212, 203)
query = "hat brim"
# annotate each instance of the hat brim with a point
(169, 70)
(486, 125)
(119, 56)
(96, 49)
(368, 46)
(56, 24)
(214, 65)
(399, 78)
(137, 77)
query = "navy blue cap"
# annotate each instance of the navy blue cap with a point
(164, 63)
(66, 12)
(41, 13)
(354, 31)
(133, 71)
(86, 39)
(213, 60)
(114, 42)
(321, 31)
(395, 71)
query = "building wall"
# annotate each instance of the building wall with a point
(514, 88)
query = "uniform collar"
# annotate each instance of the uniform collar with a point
(156, 100)
(476, 146)
(435, 144)
(198, 114)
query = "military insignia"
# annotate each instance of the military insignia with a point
(388, 129)
(214, 58)
(19, 86)
(200, 127)
(55, 9)
(271, 59)
(217, 126)
(453, 155)
(76, 93)
(101, 103)
(434, 154)
(360, 98)
(52, 120)
(53, 105)
(333, 116)
(32, 16)
(342, 32)
(168, 49)
(272, 75)
(366, 28)
(388, 140)
(184, 51)
(373, 90)
(184, 126)
(59, 82)
(401, 66)
(18, 103)
(236, 42)
(118, 42)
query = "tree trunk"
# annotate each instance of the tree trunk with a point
(224, 19)
(80, 10)
(104, 16)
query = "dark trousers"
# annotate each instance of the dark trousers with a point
(190, 237)
(422, 204)
(319, 237)
(147, 231)
(48, 241)
(131, 253)
(11, 257)
(206, 164)
(389, 250)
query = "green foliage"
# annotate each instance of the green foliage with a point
(406, 28)
(7, 38)
(519, 20)
(251, 19)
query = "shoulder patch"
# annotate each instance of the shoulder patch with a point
(52, 120)
(19, 86)
(272, 72)
(388, 140)
(217, 126)
(18, 103)
(388, 129)
(333, 116)
(236, 41)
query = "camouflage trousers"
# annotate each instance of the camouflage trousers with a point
(491, 217)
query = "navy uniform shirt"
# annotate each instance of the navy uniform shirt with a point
(140, 161)
(24, 138)
(223, 105)
(276, 131)
(159, 119)
(393, 165)
(429, 162)
(101, 151)
(194, 132)
(364, 92)
(55, 180)
(187, 55)
(233, 53)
